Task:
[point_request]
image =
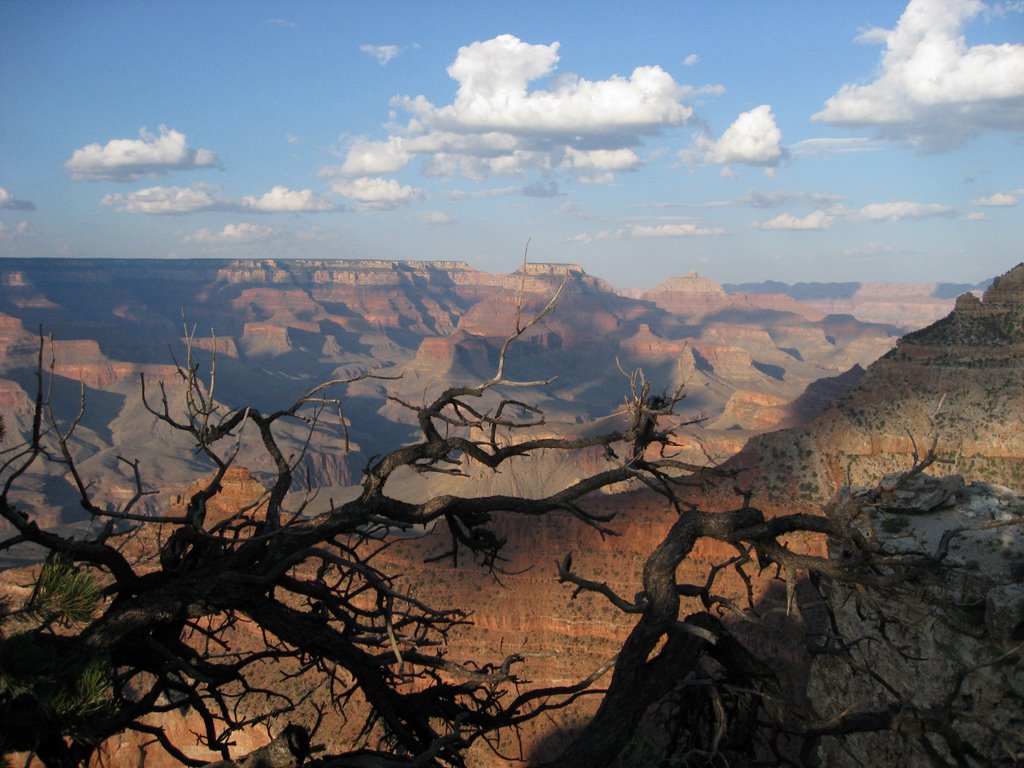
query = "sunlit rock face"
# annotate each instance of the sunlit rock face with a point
(957, 383)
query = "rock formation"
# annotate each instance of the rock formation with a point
(955, 382)
(947, 643)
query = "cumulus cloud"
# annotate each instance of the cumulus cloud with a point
(232, 234)
(899, 210)
(382, 53)
(753, 139)
(814, 220)
(133, 159)
(690, 60)
(167, 200)
(501, 122)
(933, 90)
(996, 200)
(376, 194)
(369, 158)
(493, 94)
(9, 202)
(284, 200)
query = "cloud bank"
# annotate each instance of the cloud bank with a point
(169, 201)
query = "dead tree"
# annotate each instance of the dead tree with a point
(155, 636)
(159, 596)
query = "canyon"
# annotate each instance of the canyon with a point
(799, 402)
(275, 328)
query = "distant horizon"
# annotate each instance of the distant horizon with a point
(625, 290)
(802, 141)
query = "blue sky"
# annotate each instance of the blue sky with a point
(746, 140)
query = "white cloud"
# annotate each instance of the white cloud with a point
(690, 60)
(604, 159)
(996, 200)
(933, 90)
(814, 220)
(975, 216)
(232, 234)
(133, 159)
(753, 139)
(206, 197)
(9, 202)
(436, 217)
(516, 113)
(896, 211)
(376, 194)
(382, 53)
(279, 22)
(367, 158)
(501, 123)
(494, 95)
(284, 200)
(167, 200)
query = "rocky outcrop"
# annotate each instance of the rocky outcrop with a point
(953, 383)
(947, 643)
(752, 411)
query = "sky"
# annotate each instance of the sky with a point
(797, 140)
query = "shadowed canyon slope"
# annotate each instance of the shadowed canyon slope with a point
(280, 327)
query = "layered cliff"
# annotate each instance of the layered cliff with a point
(956, 383)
